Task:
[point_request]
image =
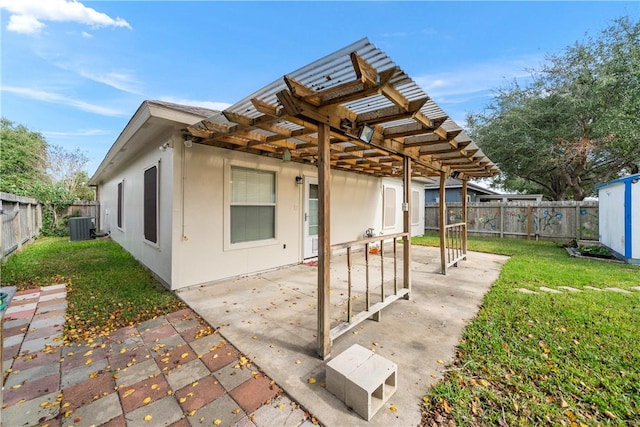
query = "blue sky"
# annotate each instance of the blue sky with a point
(77, 71)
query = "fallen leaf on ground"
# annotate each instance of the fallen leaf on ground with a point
(154, 386)
(146, 400)
(217, 422)
(147, 417)
(393, 408)
(312, 380)
(280, 406)
(440, 361)
(88, 362)
(128, 393)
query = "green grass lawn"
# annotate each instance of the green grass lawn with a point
(106, 287)
(545, 359)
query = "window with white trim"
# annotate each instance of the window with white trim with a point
(252, 205)
(120, 210)
(415, 207)
(150, 204)
(389, 214)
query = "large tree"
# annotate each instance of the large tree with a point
(29, 166)
(575, 125)
(23, 158)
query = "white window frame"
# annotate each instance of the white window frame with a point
(227, 244)
(120, 205)
(155, 244)
(415, 207)
(389, 206)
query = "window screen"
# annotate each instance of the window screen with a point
(389, 207)
(415, 207)
(150, 214)
(253, 205)
(120, 201)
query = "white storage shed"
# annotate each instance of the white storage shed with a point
(619, 217)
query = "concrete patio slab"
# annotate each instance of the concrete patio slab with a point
(272, 317)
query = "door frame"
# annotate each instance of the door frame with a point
(307, 251)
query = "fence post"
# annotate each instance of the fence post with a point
(18, 227)
(501, 220)
(578, 228)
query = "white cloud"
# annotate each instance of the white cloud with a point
(28, 16)
(86, 35)
(55, 98)
(78, 133)
(476, 80)
(212, 105)
(24, 24)
(121, 80)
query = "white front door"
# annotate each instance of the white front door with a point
(310, 219)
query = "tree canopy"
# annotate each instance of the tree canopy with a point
(575, 125)
(23, 158)
(29, 166)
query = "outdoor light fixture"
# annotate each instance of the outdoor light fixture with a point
(188, 143)
(366, 134)
(286, 156)
(164, 146)
(298, 180)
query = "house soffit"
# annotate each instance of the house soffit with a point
(352, 89)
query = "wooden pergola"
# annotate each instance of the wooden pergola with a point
(355, 111)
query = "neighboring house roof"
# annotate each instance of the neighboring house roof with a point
(456, 183)
(354, 89)
(151, 121)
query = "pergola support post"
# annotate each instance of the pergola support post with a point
(464, 217)
(406, 217)
(442, 214)
(324, 241)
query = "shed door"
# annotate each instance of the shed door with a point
(310, 218)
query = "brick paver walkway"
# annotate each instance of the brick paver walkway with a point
(163, 372)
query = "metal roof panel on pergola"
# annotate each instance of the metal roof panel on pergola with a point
(355, 89)
(354, 110)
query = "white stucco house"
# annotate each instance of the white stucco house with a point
(173, 205)
(312, 160)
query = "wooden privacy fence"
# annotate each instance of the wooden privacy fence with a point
(83, 208)
(21, 222)
(563, 220)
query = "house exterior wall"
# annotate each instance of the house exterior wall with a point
(157, 257)
(202, 251)
(619, 217)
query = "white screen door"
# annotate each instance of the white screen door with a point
(310, 219)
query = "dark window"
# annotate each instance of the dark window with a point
(151, 204)
(120, 201)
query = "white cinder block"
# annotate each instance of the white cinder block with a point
(362, 379)
(339, 368)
